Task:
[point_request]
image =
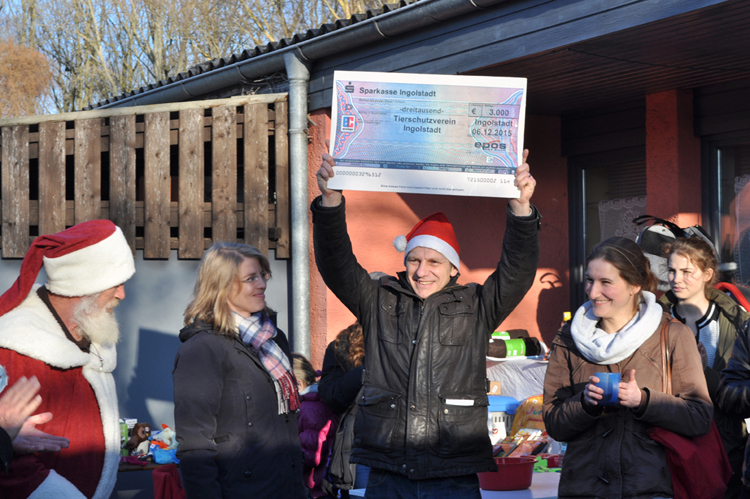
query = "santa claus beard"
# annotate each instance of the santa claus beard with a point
(98, 325)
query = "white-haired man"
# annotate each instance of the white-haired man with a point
(65, 333)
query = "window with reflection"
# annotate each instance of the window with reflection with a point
(734, 206)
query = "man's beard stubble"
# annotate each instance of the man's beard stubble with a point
(98, 325)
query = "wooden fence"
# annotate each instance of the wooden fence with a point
(172, 176)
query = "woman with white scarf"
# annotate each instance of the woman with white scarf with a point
(235, 395)
(618, 330)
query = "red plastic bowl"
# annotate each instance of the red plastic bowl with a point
(513, 473)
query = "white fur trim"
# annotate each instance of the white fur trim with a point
(106, 394)
(56, 487)
(92, 269)
(434, 243)
(30, 329)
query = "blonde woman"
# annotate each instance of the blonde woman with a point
(235, 396)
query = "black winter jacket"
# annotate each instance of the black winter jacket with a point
(232, 442)
(421, 354)
(734, 390)
(338, 387)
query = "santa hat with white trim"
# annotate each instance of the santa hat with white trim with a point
(85, 259)
(434, 232)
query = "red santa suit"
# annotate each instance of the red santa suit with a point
(77, 386)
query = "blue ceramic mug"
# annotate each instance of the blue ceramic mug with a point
(610, 383)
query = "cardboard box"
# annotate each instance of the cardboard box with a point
(494, 388)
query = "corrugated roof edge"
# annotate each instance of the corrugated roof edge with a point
(387, 21)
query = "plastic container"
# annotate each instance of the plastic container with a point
(553, 460)
(513, 473)
(500, 416)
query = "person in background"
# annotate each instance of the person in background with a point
(65, 333)
(17, 425)
(714, 319)
(317, 426)
(343, 364)
(341, 379)
(733, 395)
(609, 452)
(234, 391)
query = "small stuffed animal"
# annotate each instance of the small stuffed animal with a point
(141, 432)
(165, 439)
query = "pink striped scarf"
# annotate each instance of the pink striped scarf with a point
(258, 332)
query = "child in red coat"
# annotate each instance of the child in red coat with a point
(317, 426)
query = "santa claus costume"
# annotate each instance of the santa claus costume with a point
(76, 380)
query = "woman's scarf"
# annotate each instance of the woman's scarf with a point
(602, 348)
(257, 332)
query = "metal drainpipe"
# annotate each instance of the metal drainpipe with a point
(298, 72)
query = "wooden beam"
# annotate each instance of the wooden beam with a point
(224, 177)
(157, 188)
(240, 100)
(122, 175)
(88, 174)
(191, 185)
(281, 148)
(255, 162)
(15, 190)
(51, 178)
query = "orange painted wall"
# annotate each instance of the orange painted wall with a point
(375, 219)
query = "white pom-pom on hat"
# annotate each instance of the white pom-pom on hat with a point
(400, 243)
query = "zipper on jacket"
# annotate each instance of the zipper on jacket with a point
(416, 333)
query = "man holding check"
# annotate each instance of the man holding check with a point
(422, 418)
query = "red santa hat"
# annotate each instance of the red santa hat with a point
(434, 232)
(83, 260)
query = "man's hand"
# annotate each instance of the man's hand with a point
(630, 394)
(30, 439)
(18, 403)
(325, 173)
(525, 183)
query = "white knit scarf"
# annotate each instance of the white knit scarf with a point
(602, 348)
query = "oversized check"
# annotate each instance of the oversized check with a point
(429, 134)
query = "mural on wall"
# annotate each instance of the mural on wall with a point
(616, 217)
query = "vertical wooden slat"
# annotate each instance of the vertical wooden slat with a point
(122, 175)
(15, 190)
(256, 176)
(156, 181)
(191, 189)
(281, 147)
(224, 178)
(88, 175)
(52, 210)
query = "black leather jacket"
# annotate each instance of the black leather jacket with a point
(421, 354)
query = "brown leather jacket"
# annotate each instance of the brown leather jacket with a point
(610, 454)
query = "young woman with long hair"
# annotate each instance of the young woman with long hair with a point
(618, 330)
(714, 318)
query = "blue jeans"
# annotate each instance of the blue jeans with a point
(386, 485)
